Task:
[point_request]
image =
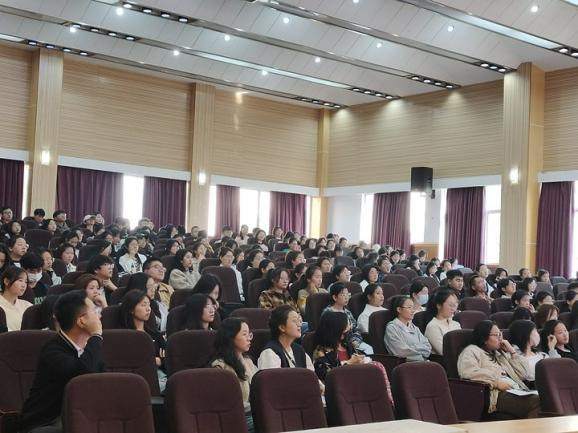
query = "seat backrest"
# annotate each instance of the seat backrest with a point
(314, 306)
(309, 252)
(110, 317)
(71, 277)
(251, 274)
(205, 400)
(328, 279)
(179, 297)
(350, 404)
(557, 385)
(429, 282)
(389, 290)
(566, 319)
(229, 288)
(501, 304)
(59, 267)
(421, 391)
(308, 343)
(410, 274)
(176, 321)
(116, 403)
(453, 344)
(344, 260)
(32, 318)
(208, 262)
(60, 289)
(257, 318)
(131, 351)
(377, 322)
(19, 351)
(353, 287)
(38, 238)
(255, 289)
(170, 263)
(286, 399)
(474, 303)
(397, 280)
(420, 320)
(502, 319)
(260, 339)
(3, 325)
(470, 318)
(356, 305)
(189, 349)
(544, 287)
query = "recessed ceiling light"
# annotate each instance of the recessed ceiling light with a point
(183, 20)
(534, 9)
(317, 59)
(416, 78)
(67, 50)
(437, 83)
(493, 67)
(119, 11)
(166, 15)
(379, 94)
(379, 45)
(327, 104)
(563, 50)
(94, 30)
(176, 52)
(130, 38)
(355, 1)
(485, 65)
(264, 73)
(285, 20)
(574, 54)
(127, 6)
(33, 43)
(427, 81)
(111, 33)
(449, 86)
(355, 89)
(367, 92)
(389, 97)
(450, 28)
(315, 101)
(502, 70)
(77, 26)
(50, 46)
(83, 53)
(147, 11)
(72, 29)
(338, 106)
(227, 38)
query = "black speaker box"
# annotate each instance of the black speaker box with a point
(421, 179)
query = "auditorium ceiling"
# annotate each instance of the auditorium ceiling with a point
(330, 53)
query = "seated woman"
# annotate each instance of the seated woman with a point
(209, 284)
(419, 294)
(49, 225)
(293, 258)
(529, 285)
(232, 343)
(67, 254)
(282, 351)
(171, 247)
(543, 276)
(521, 298)
(13, 228)
(545, 313)
(16, 247)
(505, 288)
(146, 284)
(14, 284)
(278, 293)
(309, 284)
(199, 251)
(543, 298)
(200, 312)
(369, 275)
(227, 256)
(373, 299)
(570, 299)
(183, 276)
(265, 266)
(50, 278)
(414, 264)
(431, 271)
(135, 312)
(342, 274)
(402, 338)
(130, 261)
(499, 274)
(526, 341)
(243, 236)
(492, 360)
(339, 299)
(92, 285)
(324, 263)
(521, 313)
(332, 349)
(558, 330)
(442, 308)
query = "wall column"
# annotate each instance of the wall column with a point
(46, 91)
(203, 114)
(523, 160)
(319, 204)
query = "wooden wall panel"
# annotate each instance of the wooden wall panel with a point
(458, 133)
(15, 82)
(264, 140)
(125, 117)
(560, 125)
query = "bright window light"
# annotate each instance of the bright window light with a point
(249, 207)
(366, 226)
(212, 210)
(492, 215)
(417, 217)
(132, 198)
(264, 210)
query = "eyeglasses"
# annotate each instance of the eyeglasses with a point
(496, 334)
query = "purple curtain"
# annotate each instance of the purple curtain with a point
(228, 207)
(165, 201)
(555, 224)
(12, 185)
(81, 192)
(288, 211)
(464, 225)
(391, 220)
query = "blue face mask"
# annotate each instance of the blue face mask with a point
(423, 299)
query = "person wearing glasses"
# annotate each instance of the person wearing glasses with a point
(402, 338)
(492, 360)
(338, 304)
(155, 269)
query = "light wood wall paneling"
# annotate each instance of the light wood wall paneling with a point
(15, 81)
(126, 117)
(561, 127)
(319, 204)
(523, 137)
(47, 74)
(264, 140)
(202, 140)
(458, 133)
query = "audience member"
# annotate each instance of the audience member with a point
(183, 276)
(373, 299)
(455, 281)
(17, 247)
(32, 263)
(521, 298)
(155, 269)
(144, 283)
(543, 297)
(557, 329)
(442, 308)
(130, 261)
(103, 267)
(545, 313)
(278, 293)
(309, 284)
(227, 256)
(92, 286)
(569, 300)
(369, 275)
(419, 294)
(200, 312)
(14, 284)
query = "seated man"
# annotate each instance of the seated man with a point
(76, 350)
(103, 268)
(155, 269)
(32, 263)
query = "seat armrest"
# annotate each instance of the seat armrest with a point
(388, 361)
(470, 399)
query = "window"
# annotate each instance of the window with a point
(491, 223)
(132, 198)
(255, 207)
(366, 220)
(417, 217)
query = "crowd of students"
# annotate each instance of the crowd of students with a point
(114, 253)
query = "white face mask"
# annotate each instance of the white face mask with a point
(423, 299)
(34, 278)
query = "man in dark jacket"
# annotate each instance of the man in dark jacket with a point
(76, 350)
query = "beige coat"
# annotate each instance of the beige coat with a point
(476, 364)
(250, 370)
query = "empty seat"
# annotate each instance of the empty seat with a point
(59, 267)
(229, 286)
(286, 399)
(420, 320)
(110, 317)
(544, 287)
(377, 322)
(474, 303)
(32, 318)
(350, 404)
(131, 351)
(470, 318)
(389, 291)
(257, 318)
(60, 289)
(189, 349)
(410, 274)
(454, 343)
(107, 402)
(421, 391)
(566, 319)
(169, 262)
(315, 305)
(176, 321)
(205, 400)
(557, 385)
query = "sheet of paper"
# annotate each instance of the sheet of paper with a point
(521, 392)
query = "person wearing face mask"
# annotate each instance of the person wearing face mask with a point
(419, 295)
(32, 263)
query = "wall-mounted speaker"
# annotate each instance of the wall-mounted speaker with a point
(421, 179)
